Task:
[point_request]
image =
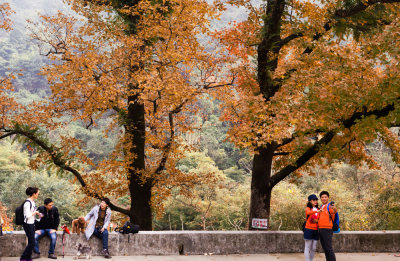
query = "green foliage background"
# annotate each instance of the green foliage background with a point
(366, 199)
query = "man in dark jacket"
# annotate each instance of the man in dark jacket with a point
(48, 225)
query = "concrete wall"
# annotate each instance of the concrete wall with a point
(199, 242)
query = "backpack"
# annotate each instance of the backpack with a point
(19, 213)
(128, 228)
(303, 227)
(336, 226)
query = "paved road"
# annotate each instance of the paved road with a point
(270, 257)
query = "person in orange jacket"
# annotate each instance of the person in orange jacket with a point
(325, 224)
(311, 230)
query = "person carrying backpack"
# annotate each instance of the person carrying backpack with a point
(29, 210)
(311, 229)
(325, 224)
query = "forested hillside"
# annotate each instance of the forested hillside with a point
(159, 121)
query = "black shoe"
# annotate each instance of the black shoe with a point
(106, 254)
(35, 255)
(52, 256)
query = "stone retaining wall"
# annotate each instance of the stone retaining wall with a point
(201, 242)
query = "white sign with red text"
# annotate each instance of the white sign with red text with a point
(259, 223)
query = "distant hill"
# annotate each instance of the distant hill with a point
(18, 52)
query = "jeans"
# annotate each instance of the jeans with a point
(309, 249)
(53, 239)
(30, 234)
(325, 236)
(103, 236)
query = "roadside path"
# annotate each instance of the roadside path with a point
(269, 257)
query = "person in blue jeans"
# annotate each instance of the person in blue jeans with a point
(98, 221)
(47, 226)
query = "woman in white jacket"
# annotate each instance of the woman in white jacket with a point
(29, 221)
(98, 221)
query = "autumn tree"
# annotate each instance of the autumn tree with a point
(6, 102)
(6, 80)
(140, 64)
(5, 11)
(317, 80)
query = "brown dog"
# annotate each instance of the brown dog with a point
(78, 225)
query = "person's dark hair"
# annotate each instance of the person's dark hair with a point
(107, 200)
(324, 193)
(48, 201)
(309, 205)
(31, 190)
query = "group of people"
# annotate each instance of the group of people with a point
(319, 224)
(45, 220)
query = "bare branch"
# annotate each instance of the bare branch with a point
(210, 85)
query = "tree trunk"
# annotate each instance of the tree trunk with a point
(140, 190)
(260, 184)
(140, 212)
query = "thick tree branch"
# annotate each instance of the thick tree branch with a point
(359, 7)
(168, 146)
(60, 162)
(295, 135)
(303, 159)
(348, 12)
(281, 153)
(289, 38)
(340, 13)
(7, 135)
(316, 147)
(317, 36)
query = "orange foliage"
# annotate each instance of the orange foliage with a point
(5, 11)
(100, 70)
(5, 221)
(7, 103)
(318, 90)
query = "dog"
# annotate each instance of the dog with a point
(83, 251)
(78, 225)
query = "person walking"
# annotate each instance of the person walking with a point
(98, 221)
(311, 230)
(48, 225)
(325, 224)
(30, 212)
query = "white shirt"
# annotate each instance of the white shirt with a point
(29, 218)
